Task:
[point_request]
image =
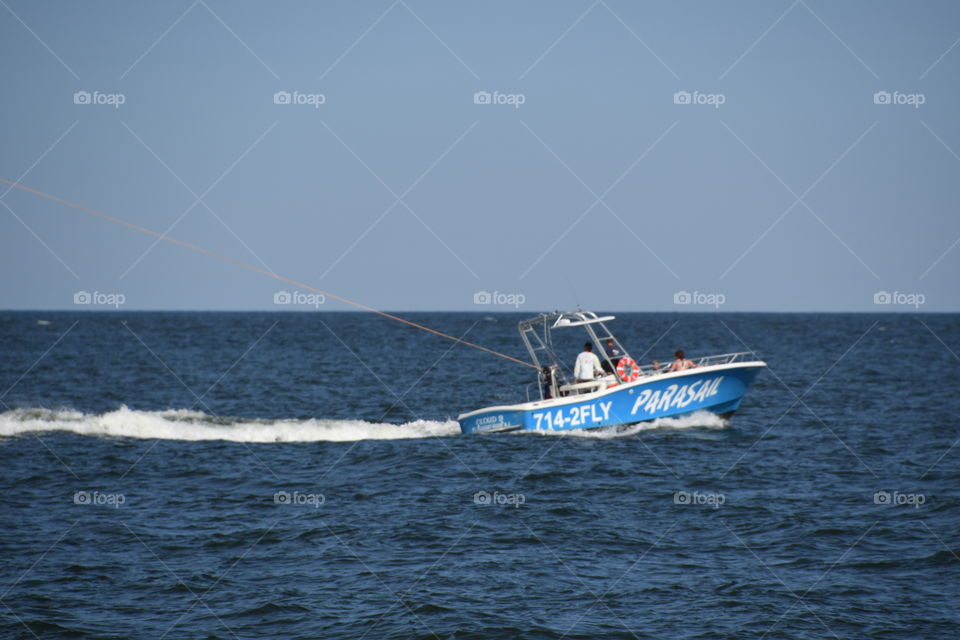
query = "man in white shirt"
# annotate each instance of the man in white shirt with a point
(587, 367)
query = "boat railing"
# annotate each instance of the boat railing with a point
(705, 361)
(726, 358)
(533, 389)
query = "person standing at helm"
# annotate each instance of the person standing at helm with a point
(587, 367)
(613, 354)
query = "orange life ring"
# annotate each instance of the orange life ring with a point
(626, 363)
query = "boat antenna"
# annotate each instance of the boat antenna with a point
(250, 267)
(573, 291)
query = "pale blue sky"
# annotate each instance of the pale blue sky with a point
(797, 193)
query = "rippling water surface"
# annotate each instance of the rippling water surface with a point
(205, 475)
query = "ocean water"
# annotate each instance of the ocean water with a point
(302, 475)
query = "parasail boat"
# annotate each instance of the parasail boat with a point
(625, 394)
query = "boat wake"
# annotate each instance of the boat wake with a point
(696, 420)
(183, 424)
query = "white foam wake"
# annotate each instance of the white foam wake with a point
(698, 419)
(195, 425)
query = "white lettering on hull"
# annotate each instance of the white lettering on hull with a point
(576, 417)
(675, 396)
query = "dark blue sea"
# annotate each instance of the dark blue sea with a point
(302, 475)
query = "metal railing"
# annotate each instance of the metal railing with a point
(705, 361)
(533, 389)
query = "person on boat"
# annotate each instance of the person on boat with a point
(587, 367)
(546, 376)
(680, 362)
(614, 354)
(655, 371)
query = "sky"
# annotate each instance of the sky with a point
(486, 156)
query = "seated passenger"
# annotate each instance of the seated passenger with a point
(656, 368)
(587, 367)
(680, 362)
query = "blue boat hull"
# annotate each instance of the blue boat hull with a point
(715, 389)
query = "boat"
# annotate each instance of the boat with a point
(626, 394)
